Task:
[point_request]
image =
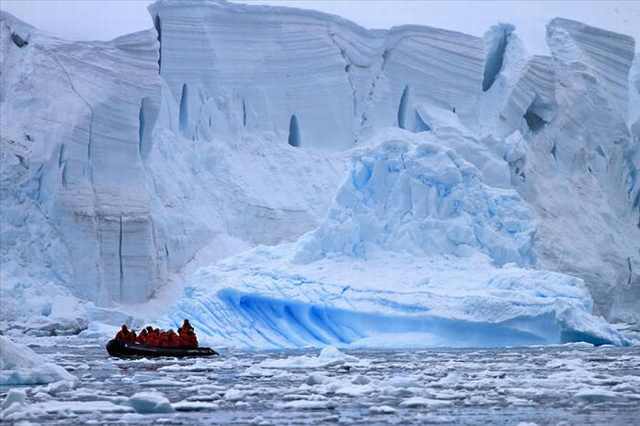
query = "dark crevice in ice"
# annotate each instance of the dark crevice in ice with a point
(19, 41)
(61, 155)
(184, 109)
(157, 24)
(244, 114)
(404, 116)
(534, 121)
(402, 108)
(64, 175)
(141, 129)
(294, 132)
(495, 58)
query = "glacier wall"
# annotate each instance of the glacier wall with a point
(581, 168)
(103, 197)
(79, 118)
(260, 68)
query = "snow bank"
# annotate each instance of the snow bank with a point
(415, 245)
(19, 365)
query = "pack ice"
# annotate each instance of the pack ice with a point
(288, 178)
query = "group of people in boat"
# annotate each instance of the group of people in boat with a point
(184, 338)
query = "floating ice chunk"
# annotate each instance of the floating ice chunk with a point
(76, 407)
(382, 409)
(361, 380)
(329, 356)
(304, 405)
(417, 401)
(13, 402)
(14, 396)
(164, 382)
(333, 353)
(354, 390)
(316, 379)
(596, 395)
(19, 365)
(150, 402)
(197, 366)
(59, 386)
(235, 395)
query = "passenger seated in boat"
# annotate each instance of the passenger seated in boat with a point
(125, 335)
(142, 337)
(187, 335)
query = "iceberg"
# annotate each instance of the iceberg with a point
(415, 244)
(288, 177)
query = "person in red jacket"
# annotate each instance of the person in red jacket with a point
(164, 339)
(123, 334)
(142, 337)
(153, 337)
(173, 341)
(187, 335)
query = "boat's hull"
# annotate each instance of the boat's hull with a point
(121, 349)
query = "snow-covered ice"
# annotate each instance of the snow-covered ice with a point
(19, 365)
(150, 402)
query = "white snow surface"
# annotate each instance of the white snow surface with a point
(20, 365)
(287, 178)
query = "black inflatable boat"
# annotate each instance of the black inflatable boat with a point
(127, 350)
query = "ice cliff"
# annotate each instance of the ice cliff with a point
(264, 68)
(73, 136)
(127, 165)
